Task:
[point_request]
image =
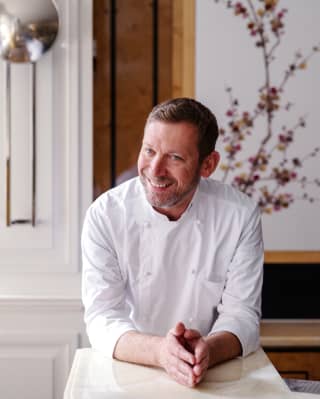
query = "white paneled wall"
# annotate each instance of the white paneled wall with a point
(37, 343)
(40, 267)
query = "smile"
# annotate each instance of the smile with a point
(158, 185)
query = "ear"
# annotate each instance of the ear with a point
(209, 164)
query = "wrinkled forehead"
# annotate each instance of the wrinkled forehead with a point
(173, 137)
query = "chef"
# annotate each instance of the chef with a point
(172, 259)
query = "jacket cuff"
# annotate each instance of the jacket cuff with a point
(104, 338)
(247, 333)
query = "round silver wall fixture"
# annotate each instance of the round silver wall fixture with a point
(27, 30)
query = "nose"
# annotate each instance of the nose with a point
(157, 166)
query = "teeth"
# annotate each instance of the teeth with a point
(159, 185)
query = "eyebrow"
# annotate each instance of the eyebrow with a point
(172, 152)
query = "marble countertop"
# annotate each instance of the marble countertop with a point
(94, 376)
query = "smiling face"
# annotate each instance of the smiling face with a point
(169, 167)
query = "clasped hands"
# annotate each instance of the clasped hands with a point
(184, 354)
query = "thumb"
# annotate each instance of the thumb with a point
(179, 329)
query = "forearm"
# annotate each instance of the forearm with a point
(135, 347)
(222, 346)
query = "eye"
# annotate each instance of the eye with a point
(176, 157)
(148, 151)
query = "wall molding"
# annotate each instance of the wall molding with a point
(290, 333)
(34, 304)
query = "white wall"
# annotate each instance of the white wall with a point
(226, 56)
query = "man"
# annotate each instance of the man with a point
(172, 260)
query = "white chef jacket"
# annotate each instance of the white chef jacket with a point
(143, 272)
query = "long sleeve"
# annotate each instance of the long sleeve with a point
(240, 307)
(103, 286)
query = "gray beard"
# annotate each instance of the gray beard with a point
(174, 199)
